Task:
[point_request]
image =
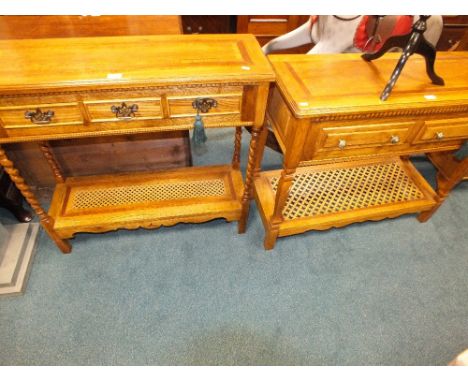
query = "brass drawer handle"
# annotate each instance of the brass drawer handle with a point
(395, 139)
(439, 135)
(123, 111)
(204, 104)
(201, 105)
(342, 144)
(38, 117)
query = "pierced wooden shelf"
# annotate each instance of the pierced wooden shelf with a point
(335, 195)
(148, 200)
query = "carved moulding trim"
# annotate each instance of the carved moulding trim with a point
(351, 158)
(70, 233)
(123, 89)
(328, 226)
(388, 114)
(108, 133)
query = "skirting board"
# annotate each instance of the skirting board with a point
(17, 259)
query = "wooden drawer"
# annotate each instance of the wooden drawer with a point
(91, 114)
(357, 136)
(63, 114)
(269, 25)
(442, 130)
(273, 26)
(181, 106)
(146, 108)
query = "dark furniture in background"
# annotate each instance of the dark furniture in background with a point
(455, 28)
(266, 28)
(11, 199)
(209, 24)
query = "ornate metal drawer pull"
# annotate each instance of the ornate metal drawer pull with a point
(342, 143)
(123, 111)
(39, 117)
(203, 105)
(440, 135)
(395, 139)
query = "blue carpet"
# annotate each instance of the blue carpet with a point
(384, 293)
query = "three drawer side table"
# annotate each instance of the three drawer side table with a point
(74, 88)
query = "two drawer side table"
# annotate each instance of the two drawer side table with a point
(346, 153)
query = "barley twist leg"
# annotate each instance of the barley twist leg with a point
(49, 156)
(249, 180)
(45, 220)
(237, 148)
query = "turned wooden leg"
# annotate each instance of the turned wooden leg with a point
(450, 173)
(45, 220)
(249, 180)
(443, 190)
(237, 148)
(270, 239)
(426, 215)
(282, 194)
(442, 193)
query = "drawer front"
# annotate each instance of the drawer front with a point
(271, 26)
(40, 115)
(128, 109)
(182, 106)
(444, 130)
(352, 137)
(96, 113)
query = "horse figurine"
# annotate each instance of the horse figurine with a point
(347, 34)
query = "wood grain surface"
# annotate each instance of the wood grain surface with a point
(75, 63)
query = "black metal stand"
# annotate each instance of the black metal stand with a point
(413, 42)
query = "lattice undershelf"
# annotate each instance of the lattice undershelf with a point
(193, 194)
(149, 192)
(347, 191)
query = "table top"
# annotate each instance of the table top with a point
(324, 84)
(33, 64)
